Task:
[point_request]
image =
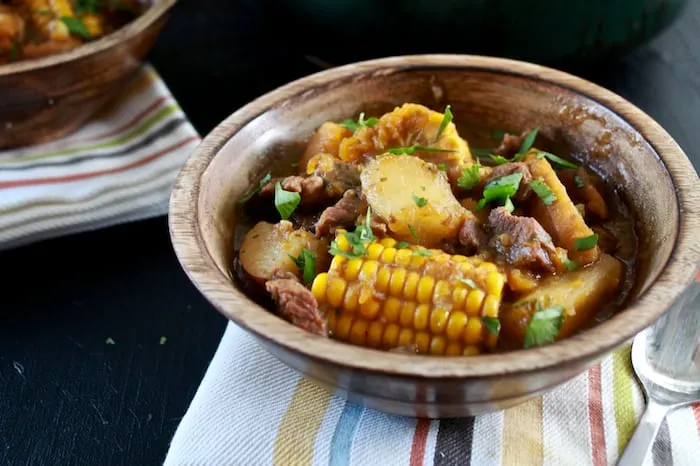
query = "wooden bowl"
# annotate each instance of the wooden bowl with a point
(604, 130)
(48, 98)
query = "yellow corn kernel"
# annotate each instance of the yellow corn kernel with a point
(437, 345)
(491, 304)
(358, 332)
(374, 250)
(422, 341)
(473, 331)
(438, 320)
(331, 321)
(466, 267)
(470, 351)
(352, 268)
(369, 271)
(455, 325)
(374, 334)
(341, 242)
(405, 337)
(370, 308)
(62, 8)
(441, 292)
(411, 287)
(383, 277)
(459, 296)
(453, 349)
(408, 310)
(473, 302)
(351, 299)
(417, 262)
(421, 317)
(488, 267)
(335, 292)
(338, 262)
(93, 23)
(342, 326)
(441, 258)
(388, 242)
(319, 286)
(388, 255)
(425, 289)
(391, 336)
(459, 258)
(398, 278)
(392, 309)
(403, 257)
(494, 283)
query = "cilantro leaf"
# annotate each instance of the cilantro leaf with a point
(528, 141)
(246, 197)
(492, 324)
(402, 245)
(422, 252)
(502, 188)
(76, 27)
(420, 201)
(578, 181)
(353, 126)
(508, 204)
(586, 243)
(570, 265)
(446, 119)
(498, 159)
(285, 201)
(470, 178)
(442, 166)
(410, 150)
(544, 326)
(468, 281)
(556, 159)
(306, 261)
(542, 190)
(413, 233)
(358, 240)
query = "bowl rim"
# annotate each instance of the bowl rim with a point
(581, 348)
(157, 9)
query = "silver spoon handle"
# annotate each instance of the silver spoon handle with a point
(643, 438)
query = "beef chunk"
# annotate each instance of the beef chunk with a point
(311, 188)
(510, 144)
(296, 304)
(522, 241)
(525, 191)
(376, 223)
(471, 234)
(342, 214)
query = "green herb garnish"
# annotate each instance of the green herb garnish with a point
(353, 125)
(306, 261)
(420, 201)
(542, 190)
(422, 252)
(442, 166)
(163, 340)
(470, 178)
(501, 189)
(413, 233)
(285, 201)
(358, 240)
(586, 243)
(508, 204)
(492, 324)
(555, 159)
(76, 27)
(578, 181)
(570, 265)
(528, 142)
(544, 326)
(246, 197)
(468, 281)
(498, 159)
(110, 341)
(410, 150)
(402, 245)
(446, 119)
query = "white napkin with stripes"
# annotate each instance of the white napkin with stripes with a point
(120, 167)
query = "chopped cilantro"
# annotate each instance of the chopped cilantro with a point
(410, 150)
(402, 245)
(442, 166)
(498, 159)
(306, 261)
(586, 243)
(246, 197)
(542, 190)
(76, 27)
(413, 233)
(555, 159)
(501, 188)
(468, 281)
(578, 181)
(470, 178)
(358, 240)
(352, 125)
(508, 204)
(422, 252)
(285, 201)
(163, 340)
(110, 341)
(446, 119)
(492, 324)
(544, 326)
(528, 141)
(570, 265)
(420, 201)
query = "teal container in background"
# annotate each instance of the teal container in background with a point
(556, 32)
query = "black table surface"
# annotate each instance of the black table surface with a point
(68, 397)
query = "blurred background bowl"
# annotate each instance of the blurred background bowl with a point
(48, 98)
(566, 34)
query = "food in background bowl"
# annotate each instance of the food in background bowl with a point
(392, 235)
(38, 28)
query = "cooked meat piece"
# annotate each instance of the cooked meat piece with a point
(525, 191)
(471, 234)
(410, 348)
(378, 226)
(342, 177)
(522, 241)
(582, 188)
(284, 275)
(510, 144)
(296, 304)
(311, 188)
(342, 214)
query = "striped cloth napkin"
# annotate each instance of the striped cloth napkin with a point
(253, 410)
(120, 167)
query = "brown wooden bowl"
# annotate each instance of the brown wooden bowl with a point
(48, 98)
(602, 129)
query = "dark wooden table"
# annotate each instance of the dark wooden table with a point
(67, 397)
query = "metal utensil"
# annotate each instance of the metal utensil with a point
(666, 359)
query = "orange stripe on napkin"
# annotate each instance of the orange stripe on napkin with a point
(131, 123)
(696, 414)
(595, 417)
(522, 434)
(84, 176)
(420, 438)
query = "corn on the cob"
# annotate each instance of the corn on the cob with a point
(47, 14)
(394, 297)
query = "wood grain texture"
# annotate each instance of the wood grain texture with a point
(48, 98)
(607, 132)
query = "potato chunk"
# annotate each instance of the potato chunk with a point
(326, 140)
(408, 193)
(561, 218)
(581, 292)
(266, 249)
